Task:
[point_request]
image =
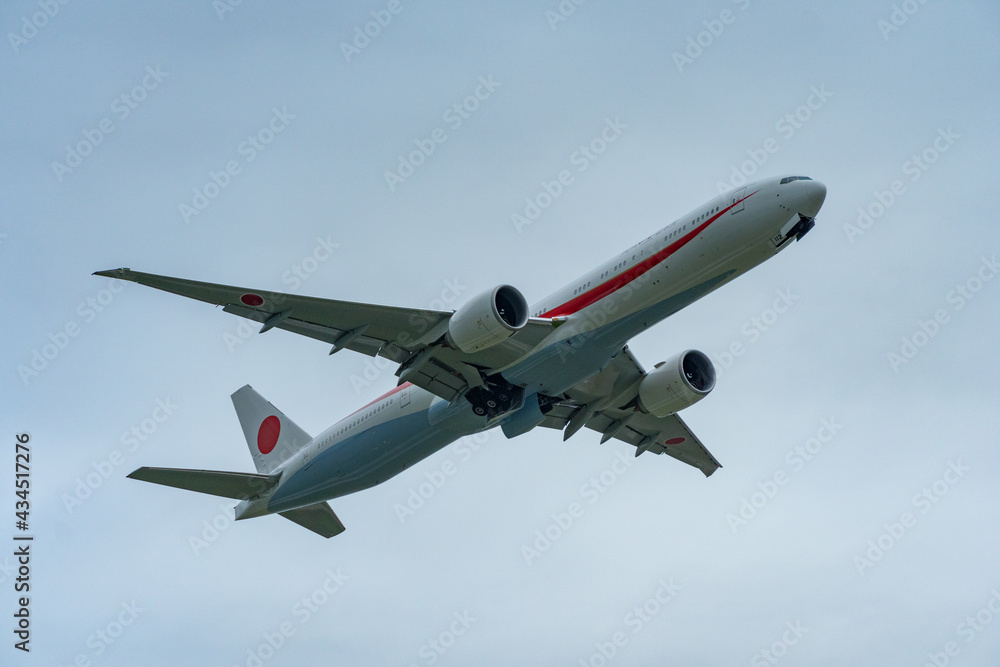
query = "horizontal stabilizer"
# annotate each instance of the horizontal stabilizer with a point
(318, 518)
(239, 485)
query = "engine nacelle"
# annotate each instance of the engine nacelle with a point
(487, 319)
(677, 383)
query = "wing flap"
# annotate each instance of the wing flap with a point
(363, 344)
(671, 436)
(322, 319)
(611, 395)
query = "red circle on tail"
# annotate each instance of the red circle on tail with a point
(267, 435)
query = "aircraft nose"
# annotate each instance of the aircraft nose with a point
(815, 195)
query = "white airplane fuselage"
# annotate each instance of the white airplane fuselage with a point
(692, 256)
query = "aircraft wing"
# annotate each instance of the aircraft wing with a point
(607, 403)
(409, 336)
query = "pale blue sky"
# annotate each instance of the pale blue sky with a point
(312, 212)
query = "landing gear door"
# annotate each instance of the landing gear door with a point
(738, 197)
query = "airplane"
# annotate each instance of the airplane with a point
(563, 363)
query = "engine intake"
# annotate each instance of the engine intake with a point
(487, 319)
(677, 383)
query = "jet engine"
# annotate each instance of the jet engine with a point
(677, 383)
(487, 319)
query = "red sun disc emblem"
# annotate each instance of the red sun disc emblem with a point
(252, 300)
(267, 435)
(675, 441)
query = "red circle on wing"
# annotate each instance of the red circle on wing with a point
(267, 435)
(253, 300)
(675, 441)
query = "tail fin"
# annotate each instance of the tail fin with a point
(271, 436)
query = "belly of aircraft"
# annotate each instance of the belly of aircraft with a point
(361, 461)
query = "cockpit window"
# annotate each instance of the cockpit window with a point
(789, 179)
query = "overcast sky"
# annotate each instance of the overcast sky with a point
(855, 520)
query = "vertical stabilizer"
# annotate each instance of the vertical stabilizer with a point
(272, 437)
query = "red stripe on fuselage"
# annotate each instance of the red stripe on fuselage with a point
(383, 396)
(615, 283)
